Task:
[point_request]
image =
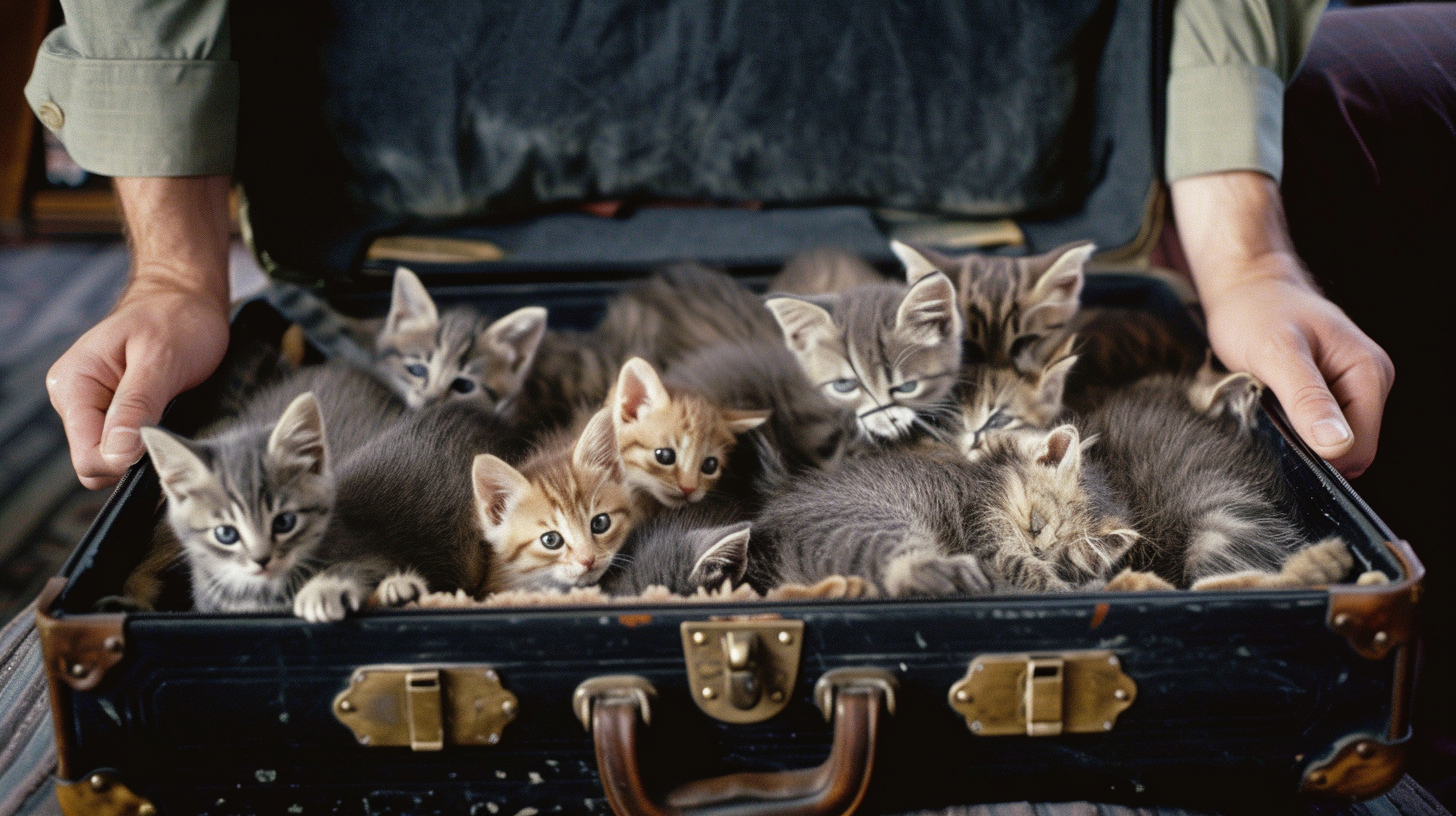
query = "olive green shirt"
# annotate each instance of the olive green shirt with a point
(149, 89)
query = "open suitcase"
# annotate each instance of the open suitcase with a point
(806, 707)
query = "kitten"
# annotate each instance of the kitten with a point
(697, 548)
(888, 353)
(674, 444)
(996, 400)
(1030, 515)
(823, 272)
(428, 357)
(1016, 310)
(404, 517)
(557, 521)
(1208, 496)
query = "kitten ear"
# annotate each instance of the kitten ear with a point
(1052, 383)
(725, 558)
(498, 486)
(1059, 288)
(180, 469)
(639, 391)
(518, 335)
(1219, 393)
(297, 440)
(929, 312)
(917, 265)
(1061, 449)
(740, 421)
(596, 448)
(410, 306)
(804, 324)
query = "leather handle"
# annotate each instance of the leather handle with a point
(834, 788)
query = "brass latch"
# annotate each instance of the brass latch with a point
(742, 671)
(425, 707)
(1042, 695)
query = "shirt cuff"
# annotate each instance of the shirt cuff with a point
(139, 117)
(1225, 117)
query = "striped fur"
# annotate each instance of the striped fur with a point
(998, 400)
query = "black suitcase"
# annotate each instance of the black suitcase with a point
(806, 707)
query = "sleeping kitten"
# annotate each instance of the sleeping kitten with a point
(674, 444)
(823, 271)
(557, 521)
(1207, 495)
(888, 353)
(1030, 515)
(687, 550)
(428, 357)
(997, 400)
(1016, 310)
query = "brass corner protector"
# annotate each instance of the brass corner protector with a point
(78, 650)
(1378, 618)
(742, 671)
(101, 794)
(1360, 766)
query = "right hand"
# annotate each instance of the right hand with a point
(161, 340)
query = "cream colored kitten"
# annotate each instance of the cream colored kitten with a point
(557, 521)
(674, 444)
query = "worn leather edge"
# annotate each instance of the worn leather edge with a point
(1357, 767)
(77, 653)
(1378, 618)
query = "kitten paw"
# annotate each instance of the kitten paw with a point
(328, 598)
(1372, 578)
(835, 586)
(934, 575)
(1241, 580)
(401, 588)
(1136, 581)
(1325, 562)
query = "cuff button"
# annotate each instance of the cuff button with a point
(50, 115)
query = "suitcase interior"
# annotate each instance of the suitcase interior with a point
(1241, 696)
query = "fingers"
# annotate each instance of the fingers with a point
(80, 389)
(1288, 367)
(1360, 383)
(146, 387)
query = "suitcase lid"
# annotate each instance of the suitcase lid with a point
(496, 121)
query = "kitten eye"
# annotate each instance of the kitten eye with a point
(417, 370)
(1037, 522)
(600, 523)
(905, 387)
(284, 522)
(997, 421)
(665, 456)
(225, 534)
(710, 465)
(845, 385)
(462, 386)
(552, 540)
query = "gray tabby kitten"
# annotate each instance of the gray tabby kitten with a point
(1016, 310)
(404, 516)
(702, 546)
(998, 400)
(887, 353)
(823, 271)
(1030, 515)
(1207, 495)
(248, 502)
(428, 357)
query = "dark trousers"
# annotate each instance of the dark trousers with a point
(1370, 188)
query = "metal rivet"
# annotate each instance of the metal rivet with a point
(345, 705)
(97, 782)
(146, 809)
(1120, 694)
(493, 739)
(785, 638)
(365, 740)
(708, 693)
(1341, 619)
(509, 706)
(1106, 725)
(1318, 779)
(1380, 638)
(776, 696)
(1365, 749)
(700, 638)
(978, 668)
(491, 675)
(976, 726)
(77, 670)
(112, 644)
(963, 696)
(1112, 660)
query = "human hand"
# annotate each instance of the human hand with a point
(161, 340)
(1330, 377)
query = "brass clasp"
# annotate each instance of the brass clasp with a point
(425, 707)
(1043, 695)
(742, 671)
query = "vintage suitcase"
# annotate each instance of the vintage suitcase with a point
(806, 707)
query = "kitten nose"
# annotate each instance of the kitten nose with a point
(587, 561)
(687, 491)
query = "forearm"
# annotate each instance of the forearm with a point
(1232, 229)
(179, 232)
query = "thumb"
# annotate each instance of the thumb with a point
(140, 398)
(1313, 411)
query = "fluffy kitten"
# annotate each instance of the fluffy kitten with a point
(823, 272)
(428, 357)
(674, 444)
(888, 353)
(1016, 310)
(1207, 495)
(1029, 515)
(997, 400)
(557, 521)
(687, 550)
(404, 513)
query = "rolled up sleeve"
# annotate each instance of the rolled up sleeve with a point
(140, 88)
(1230, 62)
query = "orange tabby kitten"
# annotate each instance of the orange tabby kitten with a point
(674, 444)
(557, 521)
